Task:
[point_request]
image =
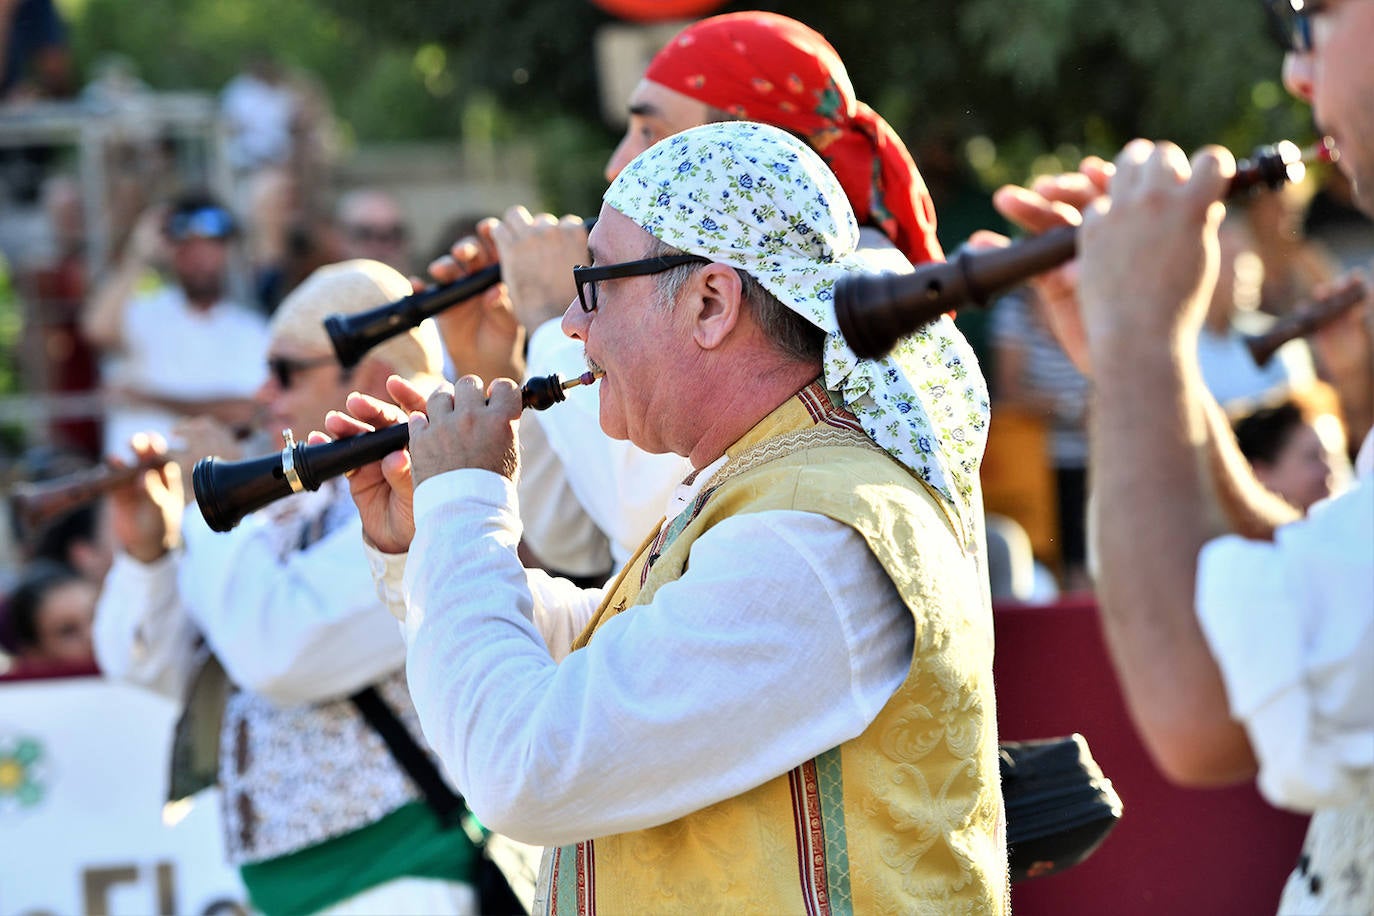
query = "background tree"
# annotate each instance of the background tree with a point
(983, 88)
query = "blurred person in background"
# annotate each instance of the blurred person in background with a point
(1297, 446)
(372, 225)
(1228, 369)
(184, 348)
(49, 612)
(276, 641)
(1033, 374)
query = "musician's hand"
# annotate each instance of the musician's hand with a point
(537, 255)
(203, 437)
(1149, 255)
(383, 490)
(1050, 202)
(481, 335)
(145, 514)
(466, 427)
(148, 240)
(1344, 348)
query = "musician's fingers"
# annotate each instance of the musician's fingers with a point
(1098, 170)
(1031, 211)
(315, 437)
(504, 396)
(984, 239)
(1074, 189)
(1129, 165)
(469, 391)
(372, 411)
(408, 398)
(517, 218)
(1212, 168)
(396, 473)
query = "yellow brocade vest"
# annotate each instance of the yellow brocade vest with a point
(905, 818)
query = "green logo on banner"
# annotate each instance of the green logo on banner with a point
(21, 772)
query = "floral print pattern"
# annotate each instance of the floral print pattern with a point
(754, 197)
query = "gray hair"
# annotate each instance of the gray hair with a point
(793, 335)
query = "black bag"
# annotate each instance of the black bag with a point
(494, 894)
(1059, 805)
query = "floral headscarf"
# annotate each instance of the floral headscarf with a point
(756, 198)
(765, 67)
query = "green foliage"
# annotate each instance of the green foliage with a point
(1040, 82)
(10, 322)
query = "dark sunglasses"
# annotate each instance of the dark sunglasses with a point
(1290, 22)
(205, 223)
(284, 368)
(586, 278)
(386, 235)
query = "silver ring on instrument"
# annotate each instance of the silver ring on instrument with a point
(288, 462)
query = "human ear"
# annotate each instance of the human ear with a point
(718, 302)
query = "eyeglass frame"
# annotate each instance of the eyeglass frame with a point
(1290, 22)
(583, 275)
(283, 368)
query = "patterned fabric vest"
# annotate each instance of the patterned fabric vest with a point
(905, 818)
(292, 777)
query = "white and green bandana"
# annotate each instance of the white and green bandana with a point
(756, 198)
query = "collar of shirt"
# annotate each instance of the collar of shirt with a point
(687, 491)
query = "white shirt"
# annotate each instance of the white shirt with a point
(783, 639)
(302, 629)
(1291, 624)
(1230, 372)
(258, 116)
(172, 350)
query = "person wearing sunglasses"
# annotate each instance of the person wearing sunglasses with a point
(372, 225)
(319, 814)
(185, 348)
(1243, 634)
(752, 65)
(793, 673)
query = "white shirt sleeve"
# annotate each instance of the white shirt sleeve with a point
(299, 630)
(1291, 624)
(622, 487)
(724, 681)
(141, 632)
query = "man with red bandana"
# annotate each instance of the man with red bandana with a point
(738, 66)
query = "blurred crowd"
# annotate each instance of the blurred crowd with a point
(188, 342)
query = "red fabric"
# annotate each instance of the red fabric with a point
(766, 67)
(1176, 851)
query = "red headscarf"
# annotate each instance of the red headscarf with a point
(769, 68)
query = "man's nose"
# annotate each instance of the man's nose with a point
(576, 321)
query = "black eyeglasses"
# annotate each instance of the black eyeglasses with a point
(1290, 22)
(284, 368)
(586, 278)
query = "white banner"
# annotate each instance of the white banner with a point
(83, 771)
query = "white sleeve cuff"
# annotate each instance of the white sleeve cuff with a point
(388, 571)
